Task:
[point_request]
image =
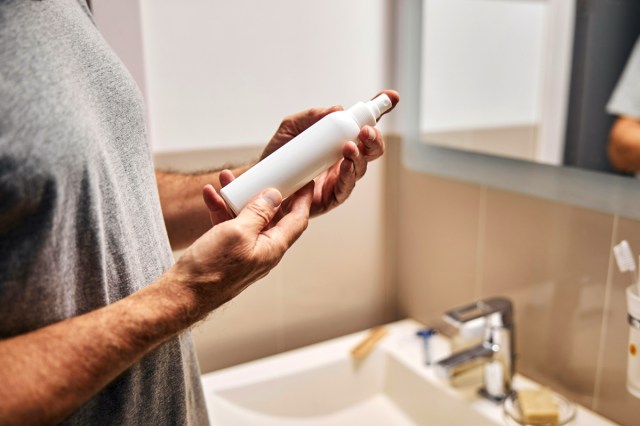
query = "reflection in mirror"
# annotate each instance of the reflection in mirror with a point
(482, 82)
(502, 83)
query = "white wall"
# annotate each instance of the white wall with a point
(224, 73)
(120, 23)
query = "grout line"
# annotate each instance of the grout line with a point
(391, 170)
(280, 341)
(605, 319)
(480, 244)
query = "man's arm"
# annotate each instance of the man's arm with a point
(49, 373)
(185, 215)
(624, 145)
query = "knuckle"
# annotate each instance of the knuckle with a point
(313, 112)
(287, 121)
(261, 211)
(363, 168)
(235, 233)
(305, 223)
(281, 249)
(278, 248)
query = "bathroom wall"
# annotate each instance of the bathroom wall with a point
(458, 242)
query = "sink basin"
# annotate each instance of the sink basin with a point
(323, 385)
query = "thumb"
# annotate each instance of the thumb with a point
(215, 203)
(257, 214)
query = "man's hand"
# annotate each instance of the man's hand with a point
(334, 186)
(237, 252)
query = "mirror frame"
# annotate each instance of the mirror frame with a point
(598, 191)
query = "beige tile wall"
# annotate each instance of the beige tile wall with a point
(458, 242)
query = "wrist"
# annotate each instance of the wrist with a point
(179, 299)
(192, 292)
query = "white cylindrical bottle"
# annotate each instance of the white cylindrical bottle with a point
(306, 156)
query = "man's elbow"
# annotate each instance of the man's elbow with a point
(615, 149)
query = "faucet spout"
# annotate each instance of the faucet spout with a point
(464, 361)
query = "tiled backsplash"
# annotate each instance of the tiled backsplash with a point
(458, 242)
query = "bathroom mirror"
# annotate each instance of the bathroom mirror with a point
(524, 79)
(482, 84)
(566, 107)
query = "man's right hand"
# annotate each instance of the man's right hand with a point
(237, 252)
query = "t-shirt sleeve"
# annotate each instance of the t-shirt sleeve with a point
(626, 96)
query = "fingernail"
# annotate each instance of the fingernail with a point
(272, 197)
(372, 134)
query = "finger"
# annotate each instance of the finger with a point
(218, 211)
(394, 97)
(225, 177)
(372, 142)
(351, 152)
(300, 121)
(257, 214)
(294, 223)
(302, 193)
(344, 184)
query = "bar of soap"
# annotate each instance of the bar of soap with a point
(537, 406)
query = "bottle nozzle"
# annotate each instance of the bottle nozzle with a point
(368, 113)
(381, 103)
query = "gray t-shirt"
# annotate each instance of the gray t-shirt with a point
(80, 219)
(626, 96)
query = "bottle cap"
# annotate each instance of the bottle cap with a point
(381, 103)
(368, 113)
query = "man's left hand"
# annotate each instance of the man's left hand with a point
(333, 186)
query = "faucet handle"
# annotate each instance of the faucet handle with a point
(497, 311)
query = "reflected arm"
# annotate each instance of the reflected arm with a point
(624, 144)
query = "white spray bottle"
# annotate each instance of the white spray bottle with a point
(306, 156)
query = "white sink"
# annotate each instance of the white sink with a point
(322, 385)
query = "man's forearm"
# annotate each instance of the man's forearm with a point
(48, 374)
(185, 215)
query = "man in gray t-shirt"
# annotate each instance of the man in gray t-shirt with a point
(624, 140)
(93, 312)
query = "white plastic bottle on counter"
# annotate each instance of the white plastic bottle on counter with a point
(306, 156)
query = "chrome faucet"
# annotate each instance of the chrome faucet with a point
(495, 353)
